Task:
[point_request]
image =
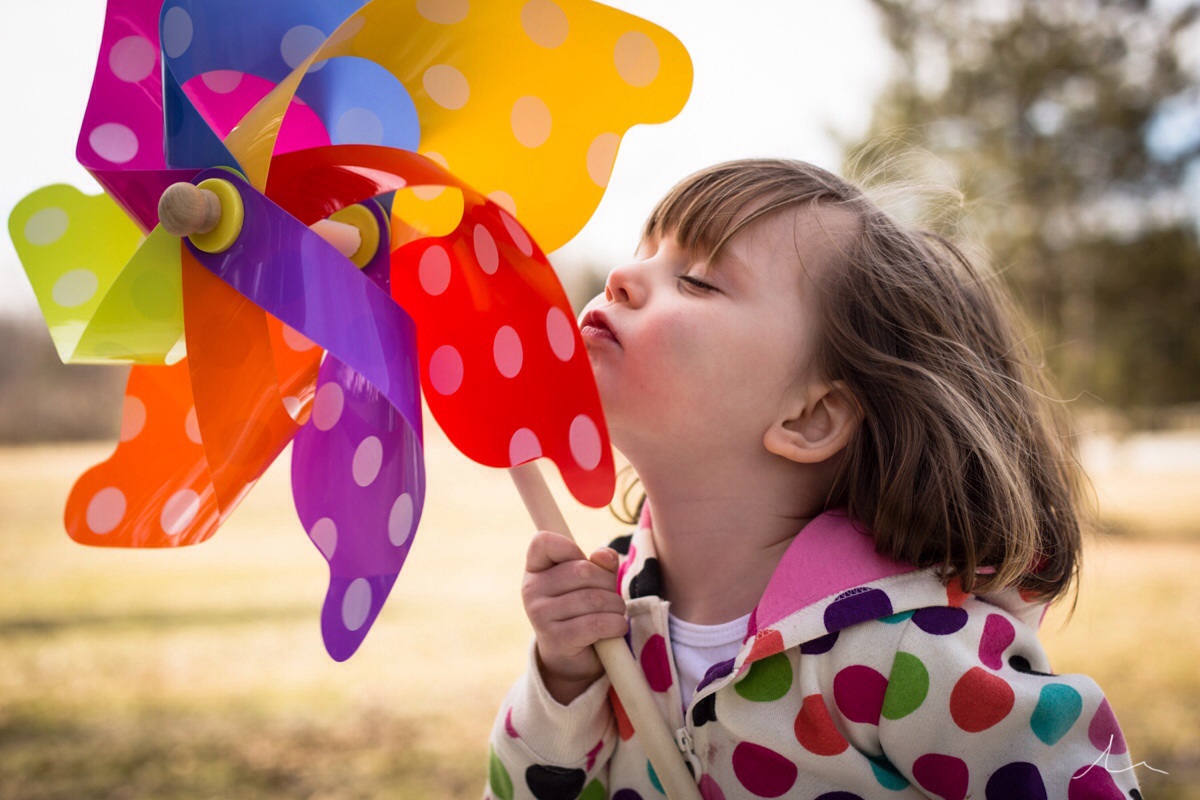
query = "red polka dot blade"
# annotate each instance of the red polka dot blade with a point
(502, 365)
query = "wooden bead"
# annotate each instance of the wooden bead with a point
(185, 210)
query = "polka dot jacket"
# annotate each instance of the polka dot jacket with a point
(859, 678)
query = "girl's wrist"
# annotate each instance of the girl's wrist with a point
(563, 686)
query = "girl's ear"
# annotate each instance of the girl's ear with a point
(816, 428)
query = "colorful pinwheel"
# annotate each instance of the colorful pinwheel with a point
(430, 126)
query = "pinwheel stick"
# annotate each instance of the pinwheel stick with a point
(623, 671)
(204, 213)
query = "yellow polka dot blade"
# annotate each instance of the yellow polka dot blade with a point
(105, 297)
(526, 99)
(140, 319)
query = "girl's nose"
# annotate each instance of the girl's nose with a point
(623, 285)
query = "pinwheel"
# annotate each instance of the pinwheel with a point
(424, 128)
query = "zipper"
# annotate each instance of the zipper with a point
(683, 740)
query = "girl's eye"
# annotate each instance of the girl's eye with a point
(697, 284)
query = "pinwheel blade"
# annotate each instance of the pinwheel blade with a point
(358, 481)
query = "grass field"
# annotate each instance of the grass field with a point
(200, 673)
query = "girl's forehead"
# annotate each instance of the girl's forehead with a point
(801, 239)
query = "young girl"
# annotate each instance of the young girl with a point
(858, 504)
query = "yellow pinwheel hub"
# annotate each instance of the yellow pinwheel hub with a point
(368, 229)
(229, 226)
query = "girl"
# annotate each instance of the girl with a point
(858, 505)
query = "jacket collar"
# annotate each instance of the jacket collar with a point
(829, 578)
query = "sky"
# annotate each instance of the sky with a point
(772, 78)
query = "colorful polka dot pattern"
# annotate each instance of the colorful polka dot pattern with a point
(951, 724)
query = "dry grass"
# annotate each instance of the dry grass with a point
(200, 673)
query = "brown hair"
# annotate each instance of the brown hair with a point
(963, 459)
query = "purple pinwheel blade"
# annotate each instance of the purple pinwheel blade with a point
(358, 481)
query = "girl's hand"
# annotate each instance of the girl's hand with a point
(572, 602)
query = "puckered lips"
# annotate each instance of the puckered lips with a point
(595, 325)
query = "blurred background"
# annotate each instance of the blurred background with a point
(1072, 129)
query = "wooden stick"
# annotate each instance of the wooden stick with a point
(627, 679)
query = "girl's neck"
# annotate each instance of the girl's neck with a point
(719, 535)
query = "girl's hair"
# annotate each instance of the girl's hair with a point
(963, 458)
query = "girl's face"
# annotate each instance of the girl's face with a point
(704, 360)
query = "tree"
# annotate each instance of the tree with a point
(1073, 128)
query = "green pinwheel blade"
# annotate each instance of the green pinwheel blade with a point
(107, 295)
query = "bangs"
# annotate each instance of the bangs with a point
(707, 209)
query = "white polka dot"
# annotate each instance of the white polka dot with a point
(636, 58)
(327, 406)
(356, 604)
(544, 23)
(359, 126)
(446, 86)
(561, 333)
(106, 510)
(176, 32)
(368, 457)
(602, 152)
(485, 250)
(293, 406)
(46, 226)
(324, 535)
(132, 59)
(434, 270)
(400, 520)
(584, 438)
(445, 12)
(114, 142)
(75, 288)
(299, 43)
(517, 234)
(523, 446)
(179, 511)
(504, 200)
(296, 340)
(507, 351)
(133, 418)
(446, 370)
(530, 121)
(222, 81)
(191, 427)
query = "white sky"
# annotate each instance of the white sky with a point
(772, 78)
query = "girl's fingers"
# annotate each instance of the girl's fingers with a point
(569, 577)
(548, 549)
(580, 603)
(582, 632)
(606, 558)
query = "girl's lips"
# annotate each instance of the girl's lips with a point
(594, 325)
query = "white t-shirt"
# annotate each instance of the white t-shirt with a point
(698, 647)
